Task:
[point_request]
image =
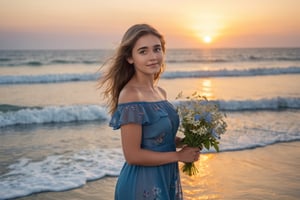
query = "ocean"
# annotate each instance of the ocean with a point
(54, 133)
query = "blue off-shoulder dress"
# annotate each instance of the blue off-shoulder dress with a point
(159, 122)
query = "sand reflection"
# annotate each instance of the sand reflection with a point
(203, 185)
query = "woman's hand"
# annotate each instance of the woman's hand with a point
(189, 154)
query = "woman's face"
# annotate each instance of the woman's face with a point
(147, 55)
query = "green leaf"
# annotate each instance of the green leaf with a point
(207, 144)
(216, 146)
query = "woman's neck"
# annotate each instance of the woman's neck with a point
(143, 81)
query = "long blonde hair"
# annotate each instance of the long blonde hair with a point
(120, 71)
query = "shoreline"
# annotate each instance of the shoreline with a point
(262, 173)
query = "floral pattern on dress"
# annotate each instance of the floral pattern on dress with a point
(154, 194)
(160, 139)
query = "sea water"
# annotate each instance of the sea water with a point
(54, 133)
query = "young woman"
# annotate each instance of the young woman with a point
(148, 122)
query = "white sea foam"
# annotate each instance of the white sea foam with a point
(231, 73)
(77, 113)
(47, 78)
(53, 114)
(56, 78)
(59, 172)
(260, 104)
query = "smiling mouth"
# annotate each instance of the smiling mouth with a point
(151, 65)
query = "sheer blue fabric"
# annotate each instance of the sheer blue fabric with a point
(159, 121)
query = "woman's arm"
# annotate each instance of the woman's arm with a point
(131, 135)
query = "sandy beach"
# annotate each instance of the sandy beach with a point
(270, 172)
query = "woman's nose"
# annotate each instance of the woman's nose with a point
(153, 55)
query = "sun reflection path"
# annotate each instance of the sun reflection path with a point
(203, 185)
(206, 88)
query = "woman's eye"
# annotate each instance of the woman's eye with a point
(142, 52)
(158, 49)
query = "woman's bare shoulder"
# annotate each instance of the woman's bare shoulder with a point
(129, 94)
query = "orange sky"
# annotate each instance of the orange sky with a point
(96, 24)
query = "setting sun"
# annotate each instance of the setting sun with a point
(207, 39)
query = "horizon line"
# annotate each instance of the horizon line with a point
(170, 48)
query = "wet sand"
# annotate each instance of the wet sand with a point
(270, 172)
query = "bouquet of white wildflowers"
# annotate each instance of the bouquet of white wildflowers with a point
(202, 123)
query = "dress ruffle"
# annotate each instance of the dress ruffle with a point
(143, 113)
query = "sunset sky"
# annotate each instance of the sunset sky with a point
(100, 24)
